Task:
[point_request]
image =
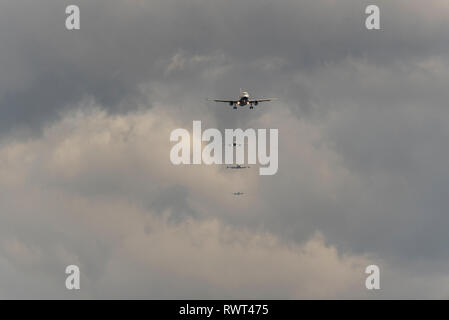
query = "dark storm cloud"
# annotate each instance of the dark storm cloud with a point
(46, 69)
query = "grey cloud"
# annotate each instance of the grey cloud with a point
(362, 120)
(47, 69)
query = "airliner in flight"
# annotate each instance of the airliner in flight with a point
(244, 100)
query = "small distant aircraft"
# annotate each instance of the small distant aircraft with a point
(235, 144)
(238, 193)
(237, 167)
(244, 99)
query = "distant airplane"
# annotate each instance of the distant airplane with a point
(237, 167)
(235, 144)
(244, 99)
(238, 193)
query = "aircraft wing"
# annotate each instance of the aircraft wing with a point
(226, 101)
(262, 100)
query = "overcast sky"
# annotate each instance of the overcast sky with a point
(86, 179)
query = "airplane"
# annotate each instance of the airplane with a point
(244, 99)
(237, 167)
(238, 193)
(235, 144)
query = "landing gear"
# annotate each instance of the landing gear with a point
(251, 107)
(235, 108)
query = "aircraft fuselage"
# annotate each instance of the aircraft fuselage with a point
(243, 101)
